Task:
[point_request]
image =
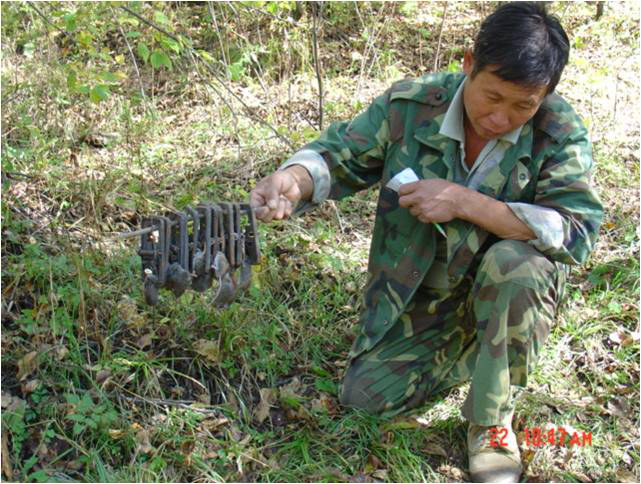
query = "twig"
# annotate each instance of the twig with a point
(338, 216)
(616, 92)
(371, 40)
(250, 7)
(46, 20)
(440, 37)
(190, 51)
(383, 29)
(133, 59)
(186, 404)
(317, 67)
(227, 73)
(220, 38)
(135, 233)
(149, 23)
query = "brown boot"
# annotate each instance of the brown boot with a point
(493, 454)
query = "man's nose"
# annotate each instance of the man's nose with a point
(500, 121)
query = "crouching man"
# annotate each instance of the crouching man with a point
(467, 264)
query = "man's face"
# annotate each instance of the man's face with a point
(494, 107)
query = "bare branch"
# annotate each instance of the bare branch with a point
(317, 66)
(213, 73)
(133, 58)
(440, 37)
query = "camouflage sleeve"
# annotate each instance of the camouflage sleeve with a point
(354, 151)
(564, 187)
(317, 169)
(547, 225)
(319, 173)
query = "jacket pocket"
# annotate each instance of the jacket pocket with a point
(395, 219)
(516, 187)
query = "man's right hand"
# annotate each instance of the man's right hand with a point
(275, 196)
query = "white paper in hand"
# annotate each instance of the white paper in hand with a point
(405, 176)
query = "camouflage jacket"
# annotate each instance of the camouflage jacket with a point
(549, 166)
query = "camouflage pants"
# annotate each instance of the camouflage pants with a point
(489, 329)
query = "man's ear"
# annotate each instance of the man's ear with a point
(468, 63)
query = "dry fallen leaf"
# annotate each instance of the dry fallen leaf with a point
(292, 389)
(213, 424)
(27, 364)
(31, 386)
(102, 375)
(128, 312)
(186, 448)
(622, 338)
(236, 433)
(624, 475)
(581, 477)
(452, 472)
(373, 463)
(143, 444)
(267, 399)
(204, 397)
(434, 448)
(527, 455)
(619, 407)
(325, 404)
(116, 433)
(61, 352)
(380, 475)
(145, 341)
(208, 349)
(7, 469)
(359, 478)
(42, 451)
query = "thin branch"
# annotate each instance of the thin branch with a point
(220, 37)
(190, 51)
(227, 72)
(371, 40)
(160, 402)
(149, 23)
(251, 7)
(46, 20)
(440, 37)
(317, 67)
(133, 59)
(135, 233)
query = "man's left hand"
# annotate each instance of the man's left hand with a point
(434, 200)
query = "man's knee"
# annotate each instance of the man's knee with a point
(382, 387)
(518, 262)
(357, 390)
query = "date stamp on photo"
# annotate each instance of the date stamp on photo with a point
(541, 437)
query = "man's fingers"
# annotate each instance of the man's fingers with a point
(406, 201)
(407, 188)
(261, 212)
(256, 199)
(289, 209)
(279, 210)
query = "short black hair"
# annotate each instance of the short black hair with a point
(522, 43)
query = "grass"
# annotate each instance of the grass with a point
(96, 386)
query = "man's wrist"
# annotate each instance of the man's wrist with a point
(463, 201)
(303, 180)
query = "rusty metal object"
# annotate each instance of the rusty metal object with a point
(193, 248)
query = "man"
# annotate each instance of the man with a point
(504, 168)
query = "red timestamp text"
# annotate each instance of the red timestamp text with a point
(538, 437)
